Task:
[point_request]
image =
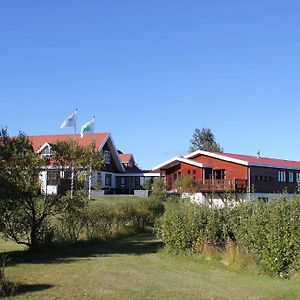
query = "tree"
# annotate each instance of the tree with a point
(67, 154)
(25, 213)
(204, 139)
(159, 191)
(185, 184)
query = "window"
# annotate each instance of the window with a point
(281, 176)
(298, 176)
(107, 179)
(268, 178)
(189, 171)
(263, 199)
(194, 171)
(53, 177)
(107, 157)
(219, 174)
(46, 152)
(122, 182)
(291, 176)
(179, 174)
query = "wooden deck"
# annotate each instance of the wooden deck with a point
(223, 185)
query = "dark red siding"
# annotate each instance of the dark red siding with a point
(233, 170)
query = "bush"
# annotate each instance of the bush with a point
(104, 220)
(70, 222)
(271, 232)
(159, 191)
(268, 232)
(181, 225)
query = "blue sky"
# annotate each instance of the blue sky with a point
(153, 71)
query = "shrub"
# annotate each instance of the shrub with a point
(99, 221)
(70, 221)
(181, 225)
(104, 220)
(271, 231)
(268, 232)
(186, 184)
(159, 191)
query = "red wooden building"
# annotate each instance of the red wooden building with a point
(225, 172)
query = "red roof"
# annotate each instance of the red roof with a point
(125, 158)
(39, 140)
(267, 161)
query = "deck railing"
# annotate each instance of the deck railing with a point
(223, 185)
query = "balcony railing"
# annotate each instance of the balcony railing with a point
(223, 185)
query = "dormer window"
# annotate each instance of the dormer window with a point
(107, 157)
(46, 152)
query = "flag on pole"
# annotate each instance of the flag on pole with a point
(88, 127)
(70, 121)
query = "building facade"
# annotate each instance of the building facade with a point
(119, 173)
(220, 173)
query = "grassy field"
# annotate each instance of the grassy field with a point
(116, 199)
(133, 268)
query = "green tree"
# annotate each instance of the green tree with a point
(24, 211)
(204, 139)
(69, 153)
(186, 184)
(159, 191)
(26, 214)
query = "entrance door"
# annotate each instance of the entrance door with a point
(207, 173)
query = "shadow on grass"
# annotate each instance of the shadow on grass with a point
(138, 244)
(16, 290)
(29, 288)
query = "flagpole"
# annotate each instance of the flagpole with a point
(90, 177)
(72, 167)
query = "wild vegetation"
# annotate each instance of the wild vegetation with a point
(268, 233)
(264, 237)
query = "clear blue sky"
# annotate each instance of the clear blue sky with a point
(153, 71)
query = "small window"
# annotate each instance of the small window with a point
(107, 157)
(123, 182)
(291, 177)
(194, 171)
(189, 171)
(298, 176)
(108, 179)
(281, 176)
(53, 177)
(263, 199)
(47, 152)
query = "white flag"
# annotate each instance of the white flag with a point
(88, 127)
(70, 121)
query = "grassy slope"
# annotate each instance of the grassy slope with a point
(133, 269)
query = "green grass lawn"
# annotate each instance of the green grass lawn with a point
(133, 268)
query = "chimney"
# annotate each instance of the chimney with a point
(258, 154)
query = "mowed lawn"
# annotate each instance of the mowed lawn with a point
(134, 268)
